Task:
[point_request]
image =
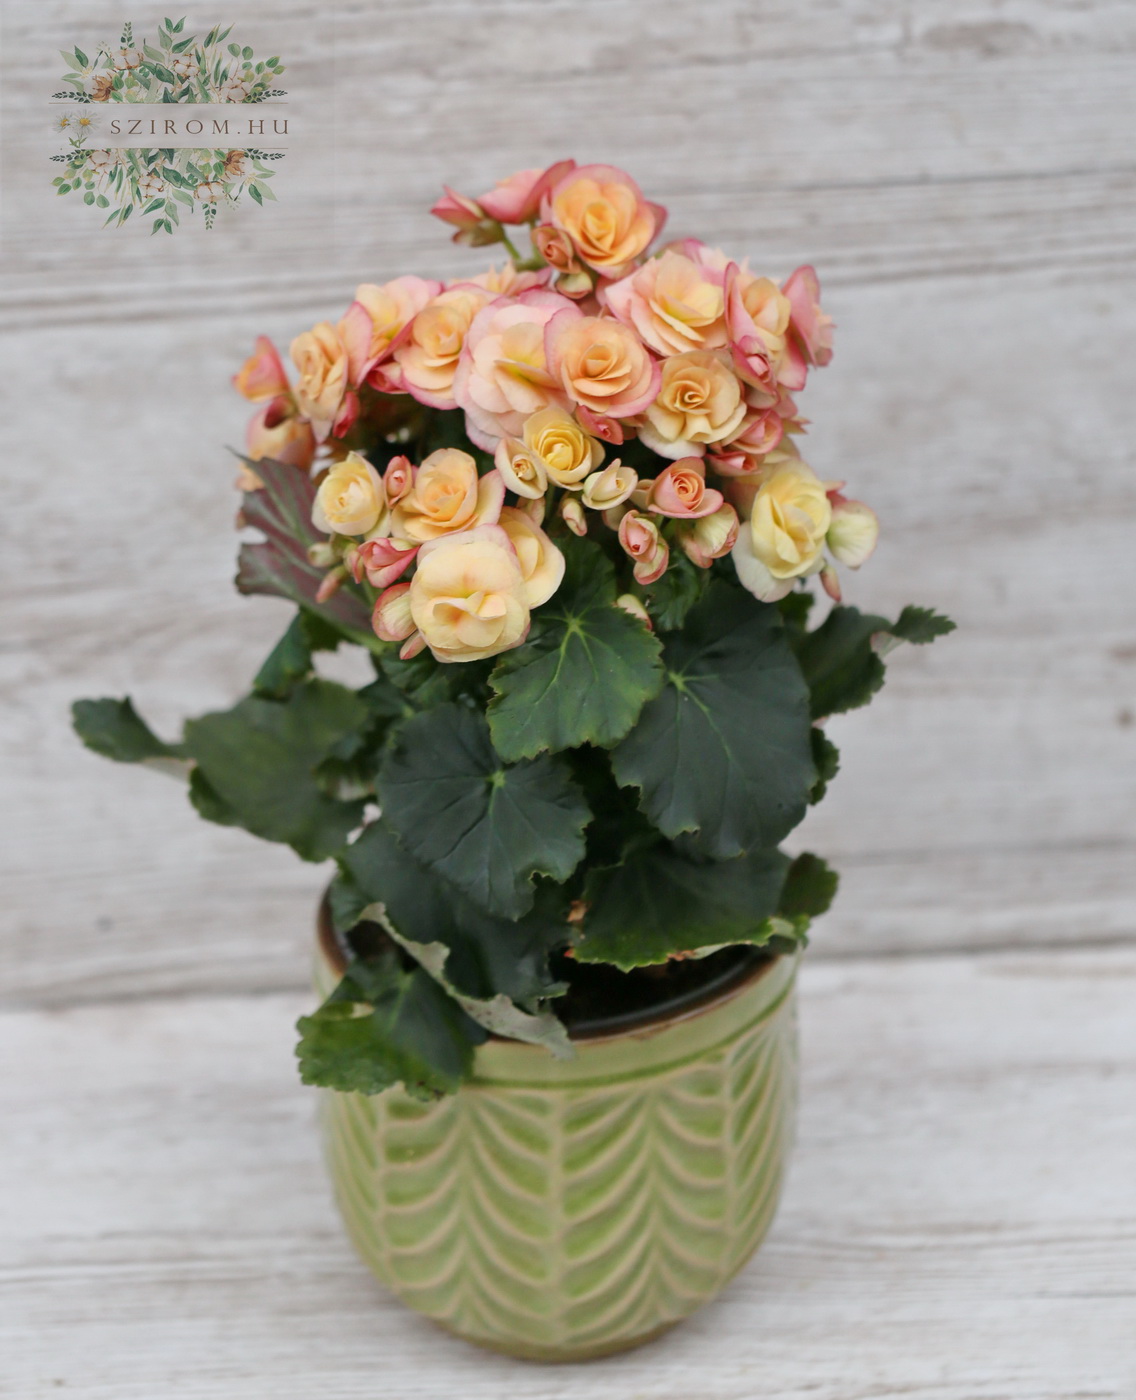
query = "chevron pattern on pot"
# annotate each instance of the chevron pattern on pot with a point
(563, 1210)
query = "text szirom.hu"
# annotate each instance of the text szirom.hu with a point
(196, 126)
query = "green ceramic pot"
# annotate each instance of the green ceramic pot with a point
(559, 1210)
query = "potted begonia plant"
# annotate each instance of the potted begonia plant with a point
(563, 508)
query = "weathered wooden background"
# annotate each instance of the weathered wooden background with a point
(962, 176)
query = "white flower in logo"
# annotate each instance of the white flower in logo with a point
(151, 186)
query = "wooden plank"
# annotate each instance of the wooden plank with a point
(879, 139)
(959, 1222)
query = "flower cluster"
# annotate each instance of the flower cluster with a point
(605, 385)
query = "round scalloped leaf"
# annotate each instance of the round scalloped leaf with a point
(724, 751)
(484, 825)
(584, 673)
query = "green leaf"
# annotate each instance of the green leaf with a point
(497, 967)
(114, 729)
(208, 803)
(585, 671)
(810, 887)
(282, 511)
(842, 669)
(486, 826)
(290, 660)
(383, 1026)
(921, 625)
(260, 759)
(724, 751)
(81, 59)
(671, 597)
(255, 194)
(660, 904)
(826, 757)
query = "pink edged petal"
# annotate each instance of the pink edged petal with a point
(262, 375)
(355, 333)
(651, 570)
(794, 369)
(830, 582)
(382, 561)
(660, 218)
(391, 617)
(415, 643)
(348, 413)
(490, 497)
(609, 430)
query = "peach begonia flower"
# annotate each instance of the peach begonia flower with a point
(521, 469)
(673, 302)
(398, 479)
(572, 513)
(509, 281)
(448, 496)
(757, 325)
(351, 499)
(321, 360)
(784, 537)
(680, 492)
(474, 227)
(699, 402)
(605, 489)
(709, 537)
(604, 213)
(379, 318)
(516, 200)
(760, 432)
(601, 364)
(503, 376)
(468, 597)
(810, 326)
(558, 251)
(854, 530)
(643, 543)
(262, 375)
(381, 561)
(393, 622)
(278, 432)
(567, 453)
(542, 564)
(428, 359)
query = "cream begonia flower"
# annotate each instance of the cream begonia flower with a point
(784, 537)
(351, 499)
(468, 597)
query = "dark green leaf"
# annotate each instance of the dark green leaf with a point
(256, 194)
(724, 751)
(486, 826)
(383, 1026)
(290, 660)
(585, 671)
(260, 759)
(80, 58)
(659, 904)
(826, 757)
(208, 803)
(670, 598)
(921, 625)
(114, 729)
(841, 668)
(282, 510)
(810, 887)
(495, 965)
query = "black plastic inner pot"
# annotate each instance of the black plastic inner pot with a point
(600, 1000)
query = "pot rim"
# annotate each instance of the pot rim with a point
(650, 1019)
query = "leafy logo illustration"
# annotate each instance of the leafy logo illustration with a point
(171, 181)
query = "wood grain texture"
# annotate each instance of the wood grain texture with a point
(964, 181)
(959, 1222)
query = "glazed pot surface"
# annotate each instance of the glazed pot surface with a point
(565, 1209)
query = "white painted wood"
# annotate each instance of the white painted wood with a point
(960, 1221)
